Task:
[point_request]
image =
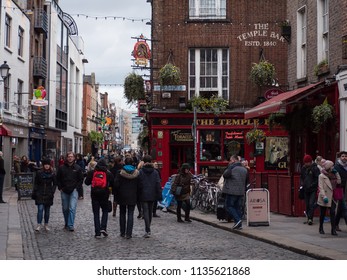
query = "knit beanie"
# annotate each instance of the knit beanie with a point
(328, 164)
(307, 159)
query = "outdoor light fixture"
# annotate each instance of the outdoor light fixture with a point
(4, 70)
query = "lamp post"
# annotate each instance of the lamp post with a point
(4, 70)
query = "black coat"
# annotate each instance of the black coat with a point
(126, 187)
(45, 184)
(69, 177)
(150, 188)
(100, 194)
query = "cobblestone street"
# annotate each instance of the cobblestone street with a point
(169, 240)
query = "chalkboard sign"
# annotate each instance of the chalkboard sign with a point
(25, 184)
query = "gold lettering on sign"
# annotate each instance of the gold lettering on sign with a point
(231, 122)
(179, 136)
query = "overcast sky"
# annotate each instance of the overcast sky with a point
(107, 42)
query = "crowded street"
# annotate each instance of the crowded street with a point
(169, 240)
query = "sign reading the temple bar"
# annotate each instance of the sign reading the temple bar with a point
(181, 136)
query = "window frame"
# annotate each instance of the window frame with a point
(20, 41)
(197, 8)
(8, 31)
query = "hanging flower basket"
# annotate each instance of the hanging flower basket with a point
(255, 135)
(263, 73)
(321, 114)
(134, 89)
(169, 74)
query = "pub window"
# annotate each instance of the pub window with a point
(209, 72)
(233, 145)
(210, 145)
(207, 9)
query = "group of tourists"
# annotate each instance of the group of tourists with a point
(324, 183)
(129, 184)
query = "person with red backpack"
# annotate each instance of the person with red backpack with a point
(101, 180)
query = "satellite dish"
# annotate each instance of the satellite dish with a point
(70, 22)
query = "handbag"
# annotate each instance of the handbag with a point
(338, 193)
(178, 190)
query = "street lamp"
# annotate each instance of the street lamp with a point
(4, 69)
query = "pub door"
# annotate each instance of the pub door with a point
(180, 154)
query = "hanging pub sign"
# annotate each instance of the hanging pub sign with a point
(141, 52)
(39, 97)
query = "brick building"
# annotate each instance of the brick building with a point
(215, 46)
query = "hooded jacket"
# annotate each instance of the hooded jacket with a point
(126, 185)
(44, 187)
(150, 188)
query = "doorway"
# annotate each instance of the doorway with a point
(180, 154)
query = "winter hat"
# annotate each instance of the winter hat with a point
(328, 165)
(46, 161)
(185, 166)
(307, 159)
(101, 163)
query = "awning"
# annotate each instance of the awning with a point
(5, 131)
(278, 102)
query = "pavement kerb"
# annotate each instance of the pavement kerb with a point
(279, 241)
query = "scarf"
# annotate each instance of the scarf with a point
(344, 165)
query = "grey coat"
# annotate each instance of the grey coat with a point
(235, 179)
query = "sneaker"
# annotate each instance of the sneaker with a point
(237, 225)
(188, 220)
(147, 235)
(164, 209)
(98, 236)
(128, 237)
(71, 229)
(38, 228)
(156, 216)
(122, 235)
(139, 216)
(47, 228)
(310, 222)
(104, 232)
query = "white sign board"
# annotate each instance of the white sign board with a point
(258, 207)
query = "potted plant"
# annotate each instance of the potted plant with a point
(276, 119)
(134, 89)
(321, 114)
(255, 135)
(169, 74)
(321, 68)
(286, 30)
(216, 105)
(263, 73)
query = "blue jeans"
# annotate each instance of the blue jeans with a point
(147, 208)
(40, 209)
(233, 205)
(96, 205)
(69, 204)
(128, 228)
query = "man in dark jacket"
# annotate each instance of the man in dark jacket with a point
(235, 181)
(100, 196)
(309, 180)
(116, 167)
(341, 168)
(126, 188)
(150, 191)
(69, 178)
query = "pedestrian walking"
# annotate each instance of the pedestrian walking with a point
(234, 188)
(69, 178)
(150, 191)
(81, 163)
(45, 184)
(182, 181)
(101, 180)
(2, 176)
(126, 190)
(309, 181)
(327, 181)
(118, 164)
(341, 168)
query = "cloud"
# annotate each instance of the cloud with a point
(107, 42)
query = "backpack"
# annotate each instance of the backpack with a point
(99, 179)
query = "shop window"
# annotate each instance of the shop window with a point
(210, 145)
(233, 147)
